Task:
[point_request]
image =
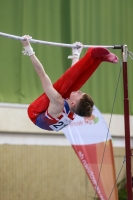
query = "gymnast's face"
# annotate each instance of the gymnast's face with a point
(76, 96)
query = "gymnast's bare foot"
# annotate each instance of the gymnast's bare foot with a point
(104, 54)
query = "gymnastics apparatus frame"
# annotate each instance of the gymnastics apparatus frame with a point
(124, 51)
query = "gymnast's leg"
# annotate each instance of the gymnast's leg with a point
(76, 76)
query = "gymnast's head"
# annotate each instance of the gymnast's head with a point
(81, 104)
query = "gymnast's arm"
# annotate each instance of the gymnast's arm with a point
(74, 60)
(54, 97)
(47, 85)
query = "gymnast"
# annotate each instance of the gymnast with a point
(63, 100)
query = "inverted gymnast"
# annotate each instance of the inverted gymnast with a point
(61, 101)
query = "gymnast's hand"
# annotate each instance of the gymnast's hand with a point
(76, 51)
(26, 42)
(28, 50)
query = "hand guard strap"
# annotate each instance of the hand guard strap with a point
(28, 50)
(73, 56)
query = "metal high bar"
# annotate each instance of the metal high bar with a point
(57, 44)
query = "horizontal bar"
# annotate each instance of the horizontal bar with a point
(54, 43)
